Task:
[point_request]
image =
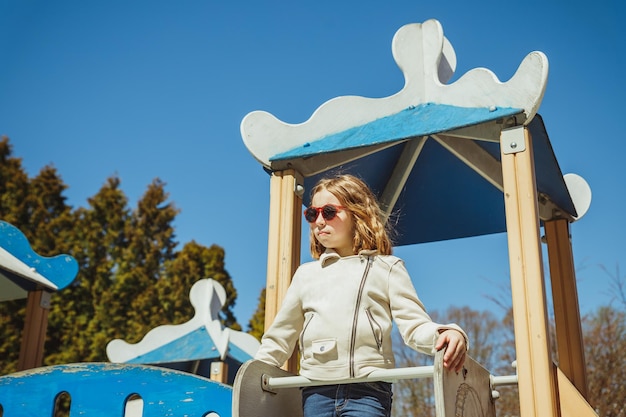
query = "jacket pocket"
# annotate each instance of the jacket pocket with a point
(377, 331)
(324, 349)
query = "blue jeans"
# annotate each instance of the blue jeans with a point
(368, 399)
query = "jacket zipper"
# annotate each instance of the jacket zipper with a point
(356, 316)
(301, 339)
(375, 326)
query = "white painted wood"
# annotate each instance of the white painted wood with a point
(580, 192)
(134, 407)
(387, 375)
(207, 296)
(251, 400)
(462, 394)
(421, 51)
(400, 174)
(10, 263)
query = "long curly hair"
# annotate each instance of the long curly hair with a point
(370, 230)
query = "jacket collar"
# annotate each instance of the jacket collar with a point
(330, 256)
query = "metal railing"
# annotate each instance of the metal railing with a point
(387, 375)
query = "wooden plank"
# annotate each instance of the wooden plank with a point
(537, 385)
(35, 325)
(283, 243)
(251, 400)
(219, 372)
(573, 404)
(462, 394)
(565, 300)
(410, 152)
(474, 157)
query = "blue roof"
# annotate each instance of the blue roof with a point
(445, 199)
(196, 345)
(59, 271)
(415, 121)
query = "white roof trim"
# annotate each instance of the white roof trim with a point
(427, 60)
(11, 264)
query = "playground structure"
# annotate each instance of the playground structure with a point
(467, 158)
(200, 346)
(466, 394)
(26, 274)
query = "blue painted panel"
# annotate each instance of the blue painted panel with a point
(442, 199)
(421, 120)
(61, 269)
(101, 390)
(237, 353)
(195, 345)
(547, 171)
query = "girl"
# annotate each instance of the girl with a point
(340, 307)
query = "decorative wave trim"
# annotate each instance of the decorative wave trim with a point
(427, 61)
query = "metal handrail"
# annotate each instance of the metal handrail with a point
(497, 381)
(387, 375)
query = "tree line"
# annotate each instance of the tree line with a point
(132, 278)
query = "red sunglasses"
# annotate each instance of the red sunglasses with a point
(329, 211)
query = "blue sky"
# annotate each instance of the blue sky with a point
(149, 89)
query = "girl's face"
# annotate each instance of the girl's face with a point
(336, 233)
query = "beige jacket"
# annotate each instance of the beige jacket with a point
(340, 312)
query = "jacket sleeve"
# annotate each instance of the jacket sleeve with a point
(279, 340)
(415, 325)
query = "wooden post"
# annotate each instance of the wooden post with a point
(35, 325)
(537, 381)
(219, 372)
(283, 244)
(565, 298)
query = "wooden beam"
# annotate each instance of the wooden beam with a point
(283, 243)
(401, 172)
(315, 164)
(219, 372)
(488, 132)
(565, 300)
(573, 404)
(474, 157)
(537, 385)
(35, 325)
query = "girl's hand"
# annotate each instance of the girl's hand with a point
(454, 343)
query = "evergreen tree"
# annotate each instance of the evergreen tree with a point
(130, 278)
(37, 207)
(80, 312)
(193, 263)
(13, 187)
(127, 305)
(13, 209)
(50, 218)
(256, 325)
